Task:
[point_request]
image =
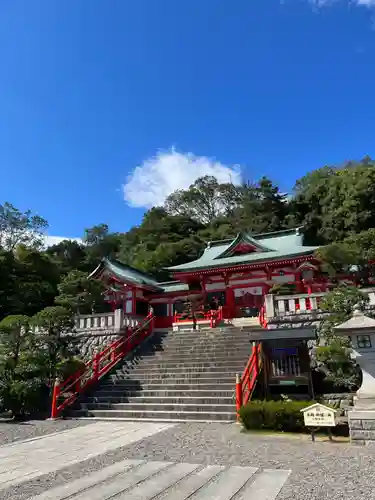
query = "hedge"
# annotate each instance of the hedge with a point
(274, 415)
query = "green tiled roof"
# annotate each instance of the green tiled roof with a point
(127, 273)
(174, 286)
(276, 245)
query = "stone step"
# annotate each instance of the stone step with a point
(123, 380)
(173, 365)
(144, 371)
(164, 393)
(176, 377)
(146, 407)
(158, 415)
(193, 400)
(209, 386)
(188, 357)
(206, 338)
(200, 353)
(235, 344)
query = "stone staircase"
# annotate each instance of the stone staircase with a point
(175, 376)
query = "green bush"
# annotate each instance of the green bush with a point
(341, 372)
(70, 366)
(274, 415)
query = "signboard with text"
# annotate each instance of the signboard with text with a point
(318, 415)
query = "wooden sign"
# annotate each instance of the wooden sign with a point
(318, 415)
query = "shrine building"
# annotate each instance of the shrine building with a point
(231, 276)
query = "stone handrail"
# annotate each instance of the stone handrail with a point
(98, 321)
(302, 303)
(106, 322)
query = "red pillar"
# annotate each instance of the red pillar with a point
(134, 298)
(238, 395)
(230, 301)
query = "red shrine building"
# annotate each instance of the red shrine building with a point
(231, 277)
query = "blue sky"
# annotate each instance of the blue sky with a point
(107, 106)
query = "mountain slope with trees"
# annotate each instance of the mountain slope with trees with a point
(44, 287)
(334, 204)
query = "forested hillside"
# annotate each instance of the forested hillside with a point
(336, 205)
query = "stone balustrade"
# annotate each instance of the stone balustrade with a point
(278, 306)
(95, 332)
(101, 323)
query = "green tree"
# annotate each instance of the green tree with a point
(68, 256)
(37, 279)
(334, 369)
(205, 200)
(339, 303)
(18, 227)
(100, 243)
(335, 200)
(261, 208)
(159, 241)
(55, 327)
(10, 300)
(22, 368)
(339, 369)
(353, 255)
(80, 294)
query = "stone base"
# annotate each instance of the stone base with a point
(362, 427)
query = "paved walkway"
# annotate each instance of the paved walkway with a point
(21, 463)
(27, 460)
(177, 461)
(142, 480)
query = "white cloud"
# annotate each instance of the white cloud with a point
(324, 3)
(157, 177)
(368, 3)
(54, 240)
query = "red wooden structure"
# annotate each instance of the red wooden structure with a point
(64, 394)
(245, 385)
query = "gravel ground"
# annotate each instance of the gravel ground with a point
(319, 470)
(18, 431)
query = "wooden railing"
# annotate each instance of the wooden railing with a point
(262, 317)
(245, 384)
(64, 394)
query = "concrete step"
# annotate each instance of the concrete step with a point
(180, 378)
(149, 358)
(172, 365)
(164, 420)
(208, 386)
(163, 393)
(198, 353)
(187, 400)
(142, 370)
(146, 407)
(228, 344)
(207, 338)
(158, 415)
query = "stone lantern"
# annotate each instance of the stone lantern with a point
(361, 330)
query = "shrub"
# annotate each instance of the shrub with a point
(70, 366)
(341, 372)
(274, 415)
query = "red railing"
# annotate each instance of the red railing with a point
(245, 385)
(214, 316)
(64, 394)
(262, 317)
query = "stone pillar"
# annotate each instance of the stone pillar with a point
(269, 305)
(119, 319)
(362, 418)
